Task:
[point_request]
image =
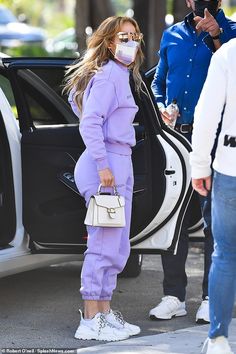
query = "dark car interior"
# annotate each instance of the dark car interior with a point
(51, 150)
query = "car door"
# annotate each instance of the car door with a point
(53, 210)
(196, 225)
(7, 192)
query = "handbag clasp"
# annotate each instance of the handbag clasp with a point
(111, 212)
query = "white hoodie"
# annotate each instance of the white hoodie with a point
(218, 94)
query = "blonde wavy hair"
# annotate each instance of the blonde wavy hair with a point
(97, 54)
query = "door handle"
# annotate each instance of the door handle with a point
(169, 172)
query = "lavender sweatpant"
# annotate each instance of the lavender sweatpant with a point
(107, 248)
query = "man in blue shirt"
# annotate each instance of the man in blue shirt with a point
(185, 53)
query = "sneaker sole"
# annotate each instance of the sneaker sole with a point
(177, 314)
(202, 321)
(99, 338)
(134, 333)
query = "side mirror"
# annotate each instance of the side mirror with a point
(23, 18)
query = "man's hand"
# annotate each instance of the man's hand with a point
(202, 185)
(166, 117)
(106, 177)
(207, 24)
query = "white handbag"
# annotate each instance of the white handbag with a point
(106, 210)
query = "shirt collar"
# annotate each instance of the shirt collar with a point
(189, 20)
(220, 17)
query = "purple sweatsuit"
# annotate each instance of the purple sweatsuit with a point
(108, 110)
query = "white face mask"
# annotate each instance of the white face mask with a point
(126, 52)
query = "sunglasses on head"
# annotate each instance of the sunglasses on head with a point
(127, 36)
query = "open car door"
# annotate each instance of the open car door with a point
(53, 210)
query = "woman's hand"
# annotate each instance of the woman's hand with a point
(106, 177)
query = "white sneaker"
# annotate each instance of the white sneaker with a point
(117, 320)
(98, 328)
(218, 345)
(202, 315)
(169, 307)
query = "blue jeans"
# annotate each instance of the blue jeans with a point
(222, 277)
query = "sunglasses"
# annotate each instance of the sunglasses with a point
(127, 36)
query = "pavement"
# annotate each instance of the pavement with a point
(184, 341)
(39, 309)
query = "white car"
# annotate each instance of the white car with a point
(41, 212)
(63, 45)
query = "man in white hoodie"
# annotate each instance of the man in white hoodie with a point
(217, 104)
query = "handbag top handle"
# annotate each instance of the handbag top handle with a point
(115, 192)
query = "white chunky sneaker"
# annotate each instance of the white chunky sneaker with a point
(169, 307)
(98, 328)
(117, 320)
(202, 315)
(218, 345)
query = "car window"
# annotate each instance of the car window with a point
(42, 89)
(6, 87)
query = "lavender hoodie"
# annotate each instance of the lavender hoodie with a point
(108, 111)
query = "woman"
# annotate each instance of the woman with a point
(100, 95)
(217, 104)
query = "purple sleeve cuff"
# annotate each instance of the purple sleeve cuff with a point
(102, 164)
(74, 106)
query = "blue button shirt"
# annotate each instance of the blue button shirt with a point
(184, 61)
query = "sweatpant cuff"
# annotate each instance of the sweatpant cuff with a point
(96, 298)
